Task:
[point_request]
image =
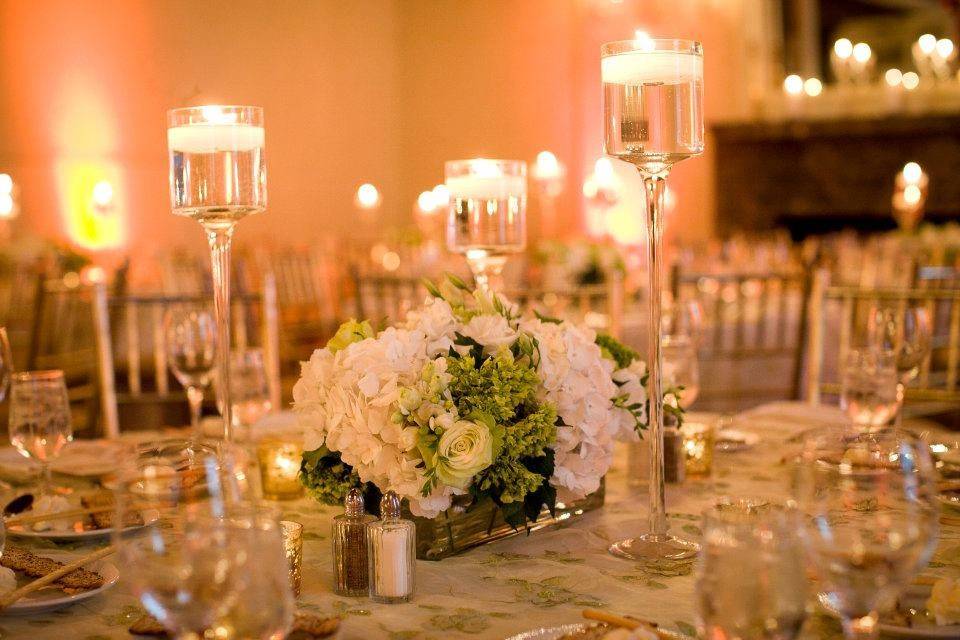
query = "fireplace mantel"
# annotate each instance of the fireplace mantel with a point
(821, 175)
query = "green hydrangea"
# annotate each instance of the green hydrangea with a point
(327, 477)
(613, 349)
(501, 387)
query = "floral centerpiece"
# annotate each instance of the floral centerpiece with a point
(468, 400)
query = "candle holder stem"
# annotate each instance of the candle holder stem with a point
(219, 238)
(656, 543)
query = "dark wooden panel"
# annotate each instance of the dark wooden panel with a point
(791, 172)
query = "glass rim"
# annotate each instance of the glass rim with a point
(184, 116)
(652, 45)
(748, 512)
(227, 107)
(520, 165)
(37, 376)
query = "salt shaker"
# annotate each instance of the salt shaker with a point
(392, 556)
(350, 574)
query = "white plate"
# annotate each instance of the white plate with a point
(735, 440)
(52, 599)
(149, 517)
(80, 458)
(915, 596)
(950, 498)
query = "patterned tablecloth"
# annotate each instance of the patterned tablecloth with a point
(527, 582)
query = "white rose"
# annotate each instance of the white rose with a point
(492, 331)
(944, 602)
(464, 450)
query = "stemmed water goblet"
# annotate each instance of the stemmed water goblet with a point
(210, 560)
(191, 344)
(869, 388)
(751, 576)
(486, 221)
(870, 518)
(251, 389)
(218, 176)
(653, 118)
(40, 423)
(905, 332)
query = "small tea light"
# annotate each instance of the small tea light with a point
(280, 469)
(293, 550)
(698, 441)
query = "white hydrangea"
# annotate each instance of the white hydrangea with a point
(577, 379)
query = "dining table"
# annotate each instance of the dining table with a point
(526, 582)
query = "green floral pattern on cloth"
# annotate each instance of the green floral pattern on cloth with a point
(527, 582)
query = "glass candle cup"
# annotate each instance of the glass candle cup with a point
(280, 469)
(698, 442)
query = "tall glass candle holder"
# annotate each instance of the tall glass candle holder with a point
(487, 219)
(653, 118)
(218, 175)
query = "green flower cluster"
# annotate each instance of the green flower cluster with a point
(510, 477)
(500, 387)
(613, 349)
(326, 477)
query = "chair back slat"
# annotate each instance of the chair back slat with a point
(131, 324)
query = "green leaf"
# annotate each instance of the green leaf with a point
(545, 318)
(431, 288)
(686, 628)
(457, 282)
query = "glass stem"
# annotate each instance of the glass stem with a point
(219, 239)
(865, 628)
(901, 393)
(195, 398)
(46, 483)
(654, 185)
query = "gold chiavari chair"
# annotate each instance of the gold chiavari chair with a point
(384, 299)
(145, 388)
(751, 340)
(836, 313)
(70, 325)
(20, 286)
(307, 298)
(598, 306)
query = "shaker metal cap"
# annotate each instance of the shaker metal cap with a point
(390, 506)
(353, 503)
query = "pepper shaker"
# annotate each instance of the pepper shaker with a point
(392, 556)
(350, 574)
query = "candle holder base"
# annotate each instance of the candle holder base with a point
(650, 546)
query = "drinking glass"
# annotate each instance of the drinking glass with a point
(6, 363)
(905, 332)
(191, 343)
(218, 175)
(208, 561)
(251, 389)
(487, 216)
(40, 422)
(870, 518)
(751, 581)
(681, 366)
(869, 391)
(653, 118)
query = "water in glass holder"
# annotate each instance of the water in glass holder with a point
(487, 215)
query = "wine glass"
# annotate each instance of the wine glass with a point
(751, 580)
(905, 332)
(653, 118)
(202, 560)
(251, 389)
(869, 390)
(871, 518)
(40, 422)
(487, 216)
(6, 363)
(191, 344)
(218, 175)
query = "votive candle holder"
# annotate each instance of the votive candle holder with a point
(280, 469)
(698, 442)
(293, 550)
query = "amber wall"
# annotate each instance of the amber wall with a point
(370, 90)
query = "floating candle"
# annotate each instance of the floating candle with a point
(485, 181)
(651, 67)
(210, 138)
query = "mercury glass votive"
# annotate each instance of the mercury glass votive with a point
(279, 469)
(293, 550)
(698, 441)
